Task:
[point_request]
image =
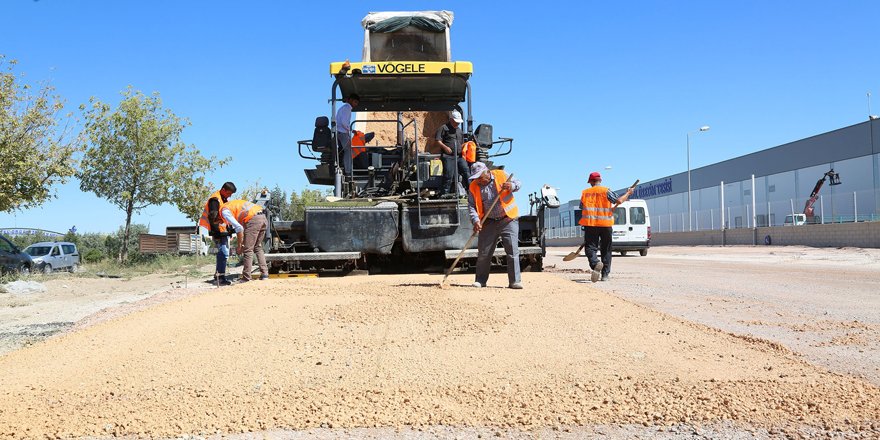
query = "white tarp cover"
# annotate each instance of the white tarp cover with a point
(439, 16)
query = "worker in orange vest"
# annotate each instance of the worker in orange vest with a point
(597, 218)
(249, 222)
(212, 221)
(469, 152)
(359, 141)
(502, 221)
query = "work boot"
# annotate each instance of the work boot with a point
(597, 272)
(220, 280)
(264, 277)
(516, 286)
(477, 285)
(604, 277)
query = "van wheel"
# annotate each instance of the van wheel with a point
(24, 270)
(74, 268)
(643, 252)
(47, 269)
(622, 253)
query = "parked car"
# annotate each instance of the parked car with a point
(12, 259)
(632, 228)
(59, 255)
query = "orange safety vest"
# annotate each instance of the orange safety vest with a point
(358, 139)
(597, 210)
(469, 151)
(242, 210)
(203, 220)
(506, 200)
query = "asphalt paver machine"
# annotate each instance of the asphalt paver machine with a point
(388, 214)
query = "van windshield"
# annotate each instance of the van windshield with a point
(38, 251)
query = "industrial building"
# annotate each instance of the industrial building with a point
(763, 188)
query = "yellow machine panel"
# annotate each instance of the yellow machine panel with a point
(406, 67)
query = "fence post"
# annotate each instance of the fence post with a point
(822, 210)
(754, 205)
(722, 205)
(712, 218)
(768, 214)
(855, 208)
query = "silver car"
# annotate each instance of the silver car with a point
(59, 255)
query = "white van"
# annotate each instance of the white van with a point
(632, 228)
(795, 220)
(49, 256)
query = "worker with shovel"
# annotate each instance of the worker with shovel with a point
(597, 218)
(491, 220)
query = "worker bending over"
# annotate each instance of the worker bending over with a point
(211, 221)
(249, 223)
(501, 221)
(597, 218)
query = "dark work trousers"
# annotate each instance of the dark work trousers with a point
(598, 238)
(508, 230)
(449, 164)
(343, 139)
(222, 254)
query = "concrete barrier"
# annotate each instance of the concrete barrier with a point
(863, 234)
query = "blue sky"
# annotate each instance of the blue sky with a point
(578, 85)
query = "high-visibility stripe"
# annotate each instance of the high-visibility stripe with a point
(242, 210)
(597, 209)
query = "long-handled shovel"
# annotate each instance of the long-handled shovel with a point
(575, 254)
(474, 234)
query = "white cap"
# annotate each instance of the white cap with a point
(477, 170)
(456, 116)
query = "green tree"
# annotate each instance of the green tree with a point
(249, 193)
(126, 236)
(25, 240)
(279, 204)
(92, 246)
(36, 151)
(135, 158)
(192, 202)
(299, 202)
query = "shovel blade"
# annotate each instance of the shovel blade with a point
(571, 256)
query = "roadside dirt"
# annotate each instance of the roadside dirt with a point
(396, 352)
(26, 318)
(820, 302)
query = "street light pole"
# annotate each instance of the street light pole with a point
(690, 216)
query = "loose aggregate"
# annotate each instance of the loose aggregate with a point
(397, 352)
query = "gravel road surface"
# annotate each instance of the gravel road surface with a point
(399, 357)
(823, 303)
